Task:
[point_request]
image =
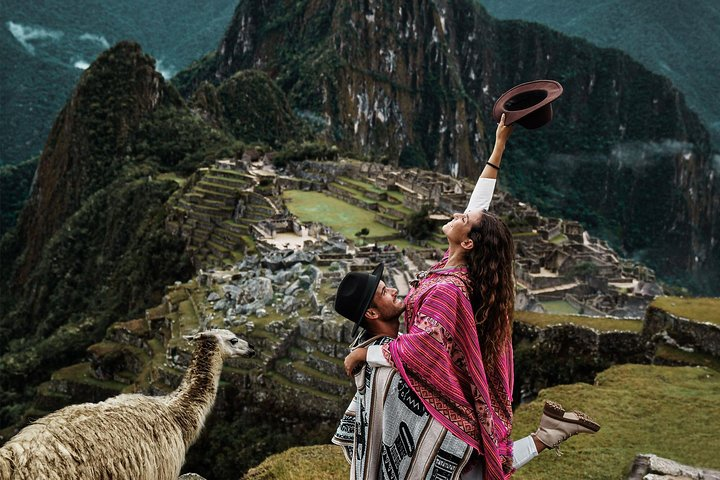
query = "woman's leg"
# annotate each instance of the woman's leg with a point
(524, 450)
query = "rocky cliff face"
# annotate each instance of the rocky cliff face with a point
(415, 82)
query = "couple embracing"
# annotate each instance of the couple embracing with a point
(436, 402)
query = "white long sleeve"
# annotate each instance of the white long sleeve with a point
(482, 195)
(375, 357)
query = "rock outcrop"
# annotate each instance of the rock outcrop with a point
(649, 466)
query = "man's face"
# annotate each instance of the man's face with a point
(386, 303)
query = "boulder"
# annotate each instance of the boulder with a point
(652, 467)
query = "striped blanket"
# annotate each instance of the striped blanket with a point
(387, 433)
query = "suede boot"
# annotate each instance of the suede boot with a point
(557, 425)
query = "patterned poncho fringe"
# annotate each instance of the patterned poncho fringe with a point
(449, 377)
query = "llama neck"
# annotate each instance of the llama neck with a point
(196, 394)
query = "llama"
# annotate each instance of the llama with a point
(127, 436)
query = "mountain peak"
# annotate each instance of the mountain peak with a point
(84, 150)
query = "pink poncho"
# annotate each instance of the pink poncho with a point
(445, 369)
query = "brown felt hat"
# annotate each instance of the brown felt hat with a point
(529, 104)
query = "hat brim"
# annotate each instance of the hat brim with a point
(368, 295)
(528, 104)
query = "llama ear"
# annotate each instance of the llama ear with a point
(191, 338)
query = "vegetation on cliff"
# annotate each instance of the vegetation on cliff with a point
(15, 183)
(46, 45)
(640, 29)
(250, 106)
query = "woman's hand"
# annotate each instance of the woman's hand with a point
(354, 359)
(503, 132)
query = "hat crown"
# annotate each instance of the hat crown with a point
(355, 293)
(525, 100)
(529, 104)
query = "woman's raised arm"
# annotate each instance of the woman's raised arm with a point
(482, 194)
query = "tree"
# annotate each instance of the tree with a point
(362, 233)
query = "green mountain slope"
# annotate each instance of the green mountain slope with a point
(679, 40)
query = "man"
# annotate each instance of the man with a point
(386, 431)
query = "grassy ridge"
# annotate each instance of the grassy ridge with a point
(603, 324)
(697, 309)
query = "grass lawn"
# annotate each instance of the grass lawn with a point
(558, 239)
(342, 217)
(698, 309)
(605, 324)
(641, 409)
(559, 306)
(322, 462)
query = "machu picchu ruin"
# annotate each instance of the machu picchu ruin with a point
(246, 205)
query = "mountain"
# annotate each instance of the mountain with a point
(44, 47)
(15, 181)
(675, 39)
(415, 83)
(90, 245)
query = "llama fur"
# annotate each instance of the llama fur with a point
(127, 436)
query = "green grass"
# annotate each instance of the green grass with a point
(604, 324)
(398, 207)
(342, 217)
(396, 195)
(560, 306)
(637, 407)
(362, 185)
(174, 177)
(698, 309)
(401, 243)
(642, 409)
(674, 354)
(357, 194)
(558, 239)
(322, 462)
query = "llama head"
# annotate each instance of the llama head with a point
(230, 344)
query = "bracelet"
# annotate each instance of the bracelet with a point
(492, 165)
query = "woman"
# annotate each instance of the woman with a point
(457, 354)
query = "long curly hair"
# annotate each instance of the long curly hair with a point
(492, 284)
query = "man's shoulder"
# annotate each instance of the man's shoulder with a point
(376, 340)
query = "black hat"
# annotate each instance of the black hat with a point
(355, 293)
(529, 104)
